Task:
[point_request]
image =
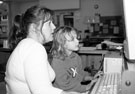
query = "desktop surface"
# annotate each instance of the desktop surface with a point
(91, 50)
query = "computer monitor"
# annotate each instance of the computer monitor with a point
(112, 65)
(129, 7)
(128, 76)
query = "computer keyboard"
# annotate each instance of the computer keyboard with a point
(108, 84)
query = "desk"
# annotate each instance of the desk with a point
(4, 55)
(5, 50)
(92, 52)
(91, 57)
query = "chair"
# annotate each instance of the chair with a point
(4, 55)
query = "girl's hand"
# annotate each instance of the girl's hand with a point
(88, 78)
(88, 87)
(99, 74)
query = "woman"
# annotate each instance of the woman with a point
(28, 70)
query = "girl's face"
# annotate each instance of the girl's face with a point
(47, 31)
(72, 43)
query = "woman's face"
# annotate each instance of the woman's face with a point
(47, 31)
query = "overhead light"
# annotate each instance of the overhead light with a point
(1, 2)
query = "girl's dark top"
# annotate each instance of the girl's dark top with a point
(69, 73)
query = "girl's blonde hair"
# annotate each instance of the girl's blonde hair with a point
(59, 41)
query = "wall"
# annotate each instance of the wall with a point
(106, 8)
(18, 8)
(82, 12)
(26, 5)
(60, 4)
(86, 10)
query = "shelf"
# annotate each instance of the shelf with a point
(3, 24)
(104, 37)
(4, 27)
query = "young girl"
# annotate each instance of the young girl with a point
(66, 63)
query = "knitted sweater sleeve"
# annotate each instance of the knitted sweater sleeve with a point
(36, 72)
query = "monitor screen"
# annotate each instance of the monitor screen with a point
(130, 26)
